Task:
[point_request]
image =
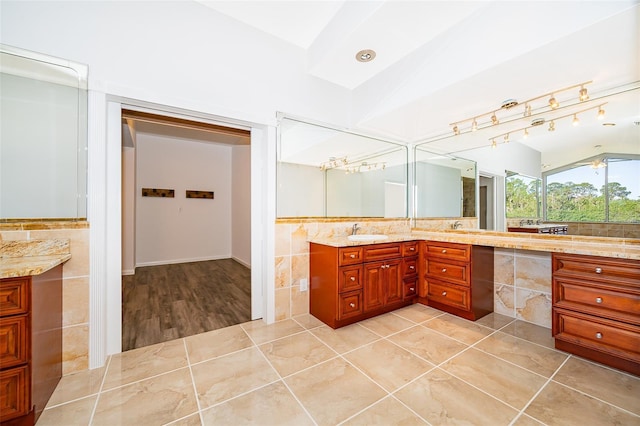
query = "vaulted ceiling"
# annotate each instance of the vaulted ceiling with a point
(441, 62)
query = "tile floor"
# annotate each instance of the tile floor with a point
(416, 365)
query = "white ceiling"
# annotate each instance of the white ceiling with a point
(439, 62)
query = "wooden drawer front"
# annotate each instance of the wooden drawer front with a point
(597, 299)
(13, 341)
(382, 251)
(410, 289)
(450, 251)
(14, 391)
(597, 333)
(410, 248)
(349, 255)
(350, 278)
(14, 296)
(458, 274)
(349, 304)
(625, 271)
(449, 294)
(409, 266)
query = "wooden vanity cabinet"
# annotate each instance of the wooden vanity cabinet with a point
(457, 278)
(30, 345)
(596, 309)
(349, 284)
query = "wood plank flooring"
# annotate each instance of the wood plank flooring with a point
(166, 302)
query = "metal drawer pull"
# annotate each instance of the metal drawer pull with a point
(444, 269)
(444, 251)
(598, 335)
(444, 293)
(412, 288)
(412, 267)
(412, 248)
(353, 278)
(598, 270)
(353, 305)
(598, 299)
(353, 256)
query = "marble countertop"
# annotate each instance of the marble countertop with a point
(623, 248)
(11, 267)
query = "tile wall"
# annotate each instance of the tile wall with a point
(75, 284)
(594, 229)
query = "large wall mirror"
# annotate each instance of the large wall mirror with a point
(324, 172)
(445, 186)
(523, 196)
(43, 136)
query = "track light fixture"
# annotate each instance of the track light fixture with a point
(491, 118)
(600, 113)
(552, 126)
(525, 134)
(576, 120)
(493, 143)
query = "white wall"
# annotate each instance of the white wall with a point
(439, 192)
(241, 204)
(174, 230)
(512, 156)
(300, 190)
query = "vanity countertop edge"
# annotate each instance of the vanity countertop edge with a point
(13, 267)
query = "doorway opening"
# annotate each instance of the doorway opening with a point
(186, 227)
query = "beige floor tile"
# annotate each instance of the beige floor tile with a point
(386, 324)
(440, 398)
(507, 382)
(528, 355)
(428, 344)
(386, 412)
(525, 420)
(158, 400)
(228, 376)
(216, 343)
(559, 405)
(531, 332)
(142, 363)
(334, 391)
(71, 414)
(612, 386)
(77, 385)
(260, 332)
(308, 321)
(458, 328)
(192, 420)
(418, 313)
(271, 404)
(495, 321)
(294, 353)
(345, 339)
(387, 364)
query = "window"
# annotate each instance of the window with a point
(604, 189)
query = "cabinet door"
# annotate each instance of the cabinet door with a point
(373, 293)
(393, 281)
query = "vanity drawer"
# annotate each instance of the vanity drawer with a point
(410, 248)
(14, 296)
(617, 302)
(375, 252)
(350, 278)
(349, 255)
(410, 289)
(409, 266)
(15, 384)
(623, 271)
(13, 341)
(349, 304)
(458, 274)
(449, 251)
(452, 295)
(613, 337)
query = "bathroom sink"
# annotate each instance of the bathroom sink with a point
(367, 237)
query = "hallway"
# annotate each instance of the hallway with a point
(166, 302)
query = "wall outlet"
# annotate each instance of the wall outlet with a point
(304, 284)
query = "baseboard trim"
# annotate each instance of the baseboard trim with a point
(242, 262)
(129, 272)
(174, 261)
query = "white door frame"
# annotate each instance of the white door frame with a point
(105, 217)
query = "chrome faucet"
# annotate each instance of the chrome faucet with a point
(354, 229)
(456, 225)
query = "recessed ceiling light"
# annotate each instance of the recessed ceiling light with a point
(366, 55)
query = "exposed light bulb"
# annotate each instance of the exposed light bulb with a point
(552, 126)
(600, 113)
(527, 110)
(553, 103)
(474, 125)
(506, 138)
(526, 134)
(576, 120)
(583, 94)
(493, 143)
(456, 131)
(494, 119)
